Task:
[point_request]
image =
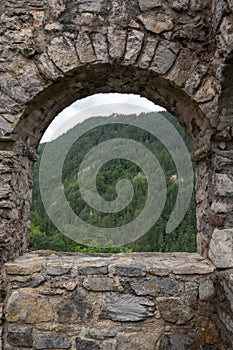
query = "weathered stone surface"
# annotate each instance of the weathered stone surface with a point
(62, 52)
(56, 269)
(41, 73)
(221, 248)
(191, 293)
(220, 6)
(46, 67)
(226, 318)
(102, 333)
(149, 4)
(10, 86)
(207, 92)
(100, 45)
(4, 127)
(225, 39)
(75, 308)
(155, 286)
(221, 207)
(126, 308)
(194, 81)
(84, 48)
(8, 106)
(117, 43)
(224, 185)
(206, 290)
(90, 5)
(176, 341)
(84, 344)
(156, 23)
(56, 8)
(25, 267)
(137, 341)
(129, 270)
(19, 336)
(165, 56)
(180, 5)
(52, 341)
(133, 47)
(63, 317)
(103, 284)
(148, 52)
(174, 310)
(161, 272)
(190, 269)
(28, 307)
(93, 270)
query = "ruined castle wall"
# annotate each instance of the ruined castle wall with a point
(177, 54)
(123, 301)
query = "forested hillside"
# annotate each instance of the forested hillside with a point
(45, 236)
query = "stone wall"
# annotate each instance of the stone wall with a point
(116, 302)
(177, 54)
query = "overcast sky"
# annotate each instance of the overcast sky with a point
(97, 105)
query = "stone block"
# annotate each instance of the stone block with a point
(52, 341)
(134, 45)
(146, 5)
(224, 185)
(148, 52)
(102, 333)
(200, 268)
(176, 341)
(117, 43)
(100, 45)
(156, 23)
(46, 67)
(58, 269)
(155, 286)
(84, 344)
(165, 57)
(180, 5)
(19, 336)
(91, 5)
(226, 318)
(127, 270)
(25, 267)
(174, 310)
(221, 248)
(84, 48)
(206, 290)
(28, 307)
(4, 127)
(102, 284)
(76, 308)
(61, 51)
(139, 340)
(126, 308)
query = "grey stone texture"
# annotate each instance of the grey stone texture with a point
(176, 53)
(154, 312)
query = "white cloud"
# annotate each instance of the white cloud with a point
(97, 105)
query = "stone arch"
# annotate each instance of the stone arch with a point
(179, 55)
(55, 52)
(99, 78)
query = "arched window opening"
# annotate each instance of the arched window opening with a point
(115, 110)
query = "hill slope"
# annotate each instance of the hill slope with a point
(45, 236)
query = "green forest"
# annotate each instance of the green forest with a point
(44, 235)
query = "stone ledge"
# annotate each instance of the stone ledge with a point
(130, 265)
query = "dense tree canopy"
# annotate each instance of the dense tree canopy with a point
(45, 236)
